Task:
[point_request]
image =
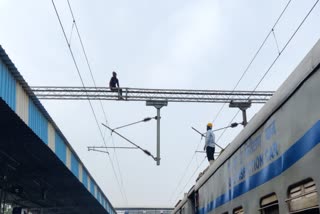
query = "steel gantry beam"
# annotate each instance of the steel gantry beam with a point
(140, 94)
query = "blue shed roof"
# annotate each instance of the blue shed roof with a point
(20, 80)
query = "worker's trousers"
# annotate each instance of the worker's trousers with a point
(210, 153)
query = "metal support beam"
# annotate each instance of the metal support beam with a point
(142, 94)
(158, 105)
(110, 147)
(243, 106)
(98, 148)
(244, 116)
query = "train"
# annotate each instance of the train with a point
(273, 165)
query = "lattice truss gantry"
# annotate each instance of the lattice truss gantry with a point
(140, 94)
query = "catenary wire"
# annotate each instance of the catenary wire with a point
(285, 46)
(234, 117)
(147, 119)
(184, 173)
(190, 178)
(82, 82)
(205, 156)
(71, 33)
(243, 74)
(201, 161)
(129, 141)
(95, 85)
(276, 41)
(278, 55)
(255, 56)
(280, 52)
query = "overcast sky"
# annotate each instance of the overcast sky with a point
(187, 44)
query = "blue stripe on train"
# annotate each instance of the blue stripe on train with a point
(286, 160)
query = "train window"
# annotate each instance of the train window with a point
(238, 210)
(269, 204)
(303, 198)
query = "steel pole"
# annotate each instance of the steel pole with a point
(158, 136)
(244, 116)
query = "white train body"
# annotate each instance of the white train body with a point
(272, 166)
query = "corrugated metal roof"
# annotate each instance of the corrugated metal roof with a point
(19, 78)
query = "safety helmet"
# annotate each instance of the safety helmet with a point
(210, 125)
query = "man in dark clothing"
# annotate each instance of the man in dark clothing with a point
(114, 84)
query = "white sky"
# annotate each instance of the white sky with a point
(189, 44)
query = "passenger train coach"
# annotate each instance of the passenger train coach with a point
(273, 165)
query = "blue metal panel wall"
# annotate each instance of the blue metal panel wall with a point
(98, 195)
(7, 86)
(92, 187)
(38, 123)
(60, 148)
(36, 120)
(74, 165)
(85, 178)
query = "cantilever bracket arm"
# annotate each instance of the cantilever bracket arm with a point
(129, 141)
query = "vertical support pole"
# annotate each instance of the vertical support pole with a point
(158, 104)
(243, 106)
(158, 136)
(244, 116)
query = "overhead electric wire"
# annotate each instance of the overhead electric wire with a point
(276, 41)
(82, 82)
(255, 56)
(190, 178)
(285, 46)
(71, 32)
(243, 74)
(184, 173)
(140, 121)
(234, 117)
(277, 57)
(129, 141)
(95, 85)
(85, 54)
(200, 163)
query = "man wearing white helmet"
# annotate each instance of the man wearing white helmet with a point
(209, 146)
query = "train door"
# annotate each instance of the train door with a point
(192, 200)
(196, 202)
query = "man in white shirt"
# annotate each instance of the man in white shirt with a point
(209, 146)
